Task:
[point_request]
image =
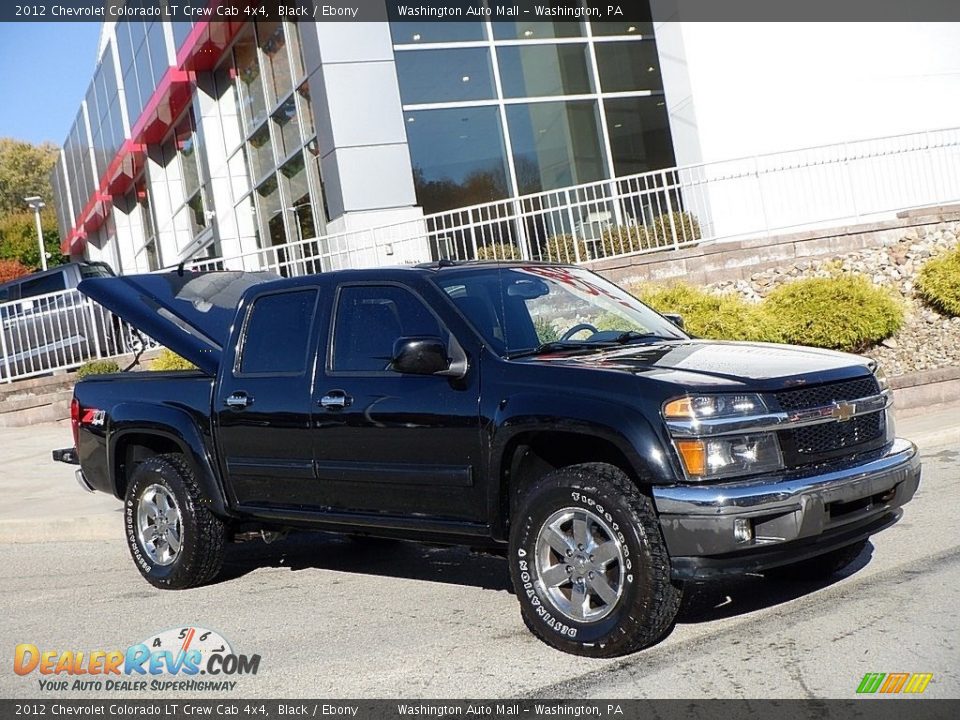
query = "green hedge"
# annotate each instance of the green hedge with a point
(498, 251)
(560, 248)
(169, 360)
(97, 367)
(685, 223)
(705, 314)
(845, 312)
(939, 282)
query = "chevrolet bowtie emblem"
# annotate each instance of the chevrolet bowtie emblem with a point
(843, 411)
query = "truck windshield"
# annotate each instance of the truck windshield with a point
(524, 310)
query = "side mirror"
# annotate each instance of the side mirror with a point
(675, 319)
(419, 356)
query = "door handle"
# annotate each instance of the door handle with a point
(335, 399)
(238, 400)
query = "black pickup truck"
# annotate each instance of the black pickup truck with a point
(533, 408)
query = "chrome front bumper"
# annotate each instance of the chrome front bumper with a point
(811, 513)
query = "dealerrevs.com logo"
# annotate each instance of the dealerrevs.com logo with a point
(187, 659)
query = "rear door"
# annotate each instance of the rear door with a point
(263, 403)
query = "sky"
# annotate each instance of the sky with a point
(45, 68)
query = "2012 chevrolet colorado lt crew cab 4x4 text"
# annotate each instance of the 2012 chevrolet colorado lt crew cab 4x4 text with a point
(532, 407)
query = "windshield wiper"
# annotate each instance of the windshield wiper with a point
(632, 335)
(555, 345)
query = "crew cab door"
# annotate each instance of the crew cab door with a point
(262, 406)
(386, 442)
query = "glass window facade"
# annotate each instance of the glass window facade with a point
(536, 70)
(458, 156)
(639, 134)
(241, 160)
(510, 108)
(490, 111)
(555, 144)
(425, 32)
(463, 74)
(629, 65)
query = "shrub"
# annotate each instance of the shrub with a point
(686, 224)
(546, 331)
(938, 282)
(11, 270)
(717, 317)
(560, 248)
(498, 251)
(97, 367)
(624, 239)
(844, 312)
(169, 360)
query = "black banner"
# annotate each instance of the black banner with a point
(872, 709)
(472, 10)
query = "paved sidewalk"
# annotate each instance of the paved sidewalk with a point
(40, 500)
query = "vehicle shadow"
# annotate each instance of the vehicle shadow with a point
(702, 602)
(719, 599)
(371, 556)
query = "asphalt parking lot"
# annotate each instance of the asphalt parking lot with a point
(335, 617)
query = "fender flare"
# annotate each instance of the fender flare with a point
(626, 428)
(181, 428)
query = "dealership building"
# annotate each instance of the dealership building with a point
(217, 139)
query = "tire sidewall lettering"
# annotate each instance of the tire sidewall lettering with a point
(529, 590)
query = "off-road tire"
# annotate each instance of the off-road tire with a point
(203, 534)
(649, 599)
(821, 567)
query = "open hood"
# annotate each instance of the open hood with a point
(190, 313)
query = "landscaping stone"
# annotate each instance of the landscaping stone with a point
(927, 340)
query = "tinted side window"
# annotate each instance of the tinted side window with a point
(370, 319)
(278, 328)
(43, 285)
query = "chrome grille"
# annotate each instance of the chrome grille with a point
(816, 443)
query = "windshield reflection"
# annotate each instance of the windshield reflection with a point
(534, 309)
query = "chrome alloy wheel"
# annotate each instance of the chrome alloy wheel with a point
(159, 525)
(580, 565)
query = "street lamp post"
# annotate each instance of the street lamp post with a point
(37, 204)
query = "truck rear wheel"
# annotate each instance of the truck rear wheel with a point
(589, 564)
(175, 541)
(821, 567)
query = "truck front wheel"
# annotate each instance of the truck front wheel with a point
(589, 564)
(175, 541)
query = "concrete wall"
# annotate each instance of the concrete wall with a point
(717, 262)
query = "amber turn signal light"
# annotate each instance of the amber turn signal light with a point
(694, 456)
(679, 408)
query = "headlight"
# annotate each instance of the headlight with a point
(706, 454)
(729, 455)
(881, 377)
(709, 407)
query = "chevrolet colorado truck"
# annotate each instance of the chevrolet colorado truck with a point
(533, 408)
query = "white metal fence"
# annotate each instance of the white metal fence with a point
(649, 212)
(57, 331)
